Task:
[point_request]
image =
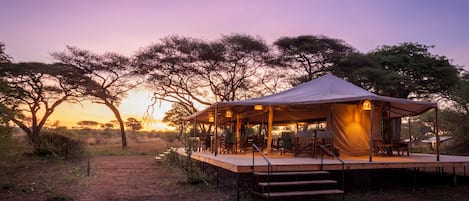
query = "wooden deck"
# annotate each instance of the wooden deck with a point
(241, 163)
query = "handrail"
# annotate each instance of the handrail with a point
(325, 149)
(269, 168)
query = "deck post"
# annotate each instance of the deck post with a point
(455, 181)
(216, 131)
(436, 135)
(237, 186)
(194, 132)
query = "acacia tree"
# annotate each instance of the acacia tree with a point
(5, 112)
(134, 124)
(88, 124)
(460, 94)
(110, 78)
(175, 117)
(193, 72)
(188, 71)
(4, 57)
(407, 70)
(32, 91)
(310, 56)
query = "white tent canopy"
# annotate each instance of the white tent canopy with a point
(315, 94)
(327, 98)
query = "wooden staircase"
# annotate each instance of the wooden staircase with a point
(294, 184)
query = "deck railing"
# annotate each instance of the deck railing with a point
(269, 168)
(324, 149)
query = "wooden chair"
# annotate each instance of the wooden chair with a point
(381, 149)
(303, 144)
(326, 139)
(400, 146)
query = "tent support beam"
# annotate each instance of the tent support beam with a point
(238, 132)
(269, 129)
(371, 134)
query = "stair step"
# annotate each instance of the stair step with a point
(291, 173)
(295, 183)
(302, 193)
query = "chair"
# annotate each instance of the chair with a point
(303, 143)
(400, 146)
(380, 149)
(326, 139)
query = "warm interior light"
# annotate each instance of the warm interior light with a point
(366, 105)
(211, 119)
(229, 114)
(257, 107)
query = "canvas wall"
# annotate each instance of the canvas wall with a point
(351, 126)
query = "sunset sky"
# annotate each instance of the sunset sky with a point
(32, 29)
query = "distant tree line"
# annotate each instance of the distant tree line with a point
(190, 72)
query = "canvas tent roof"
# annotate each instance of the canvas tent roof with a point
(314, 95)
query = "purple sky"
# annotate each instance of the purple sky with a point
(32, 29)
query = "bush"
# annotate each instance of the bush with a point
(5, 132)
(190, 168)
(53, 144)
(170, 137)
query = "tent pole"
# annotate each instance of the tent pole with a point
(436, 135)
(269, 129)
(195, 123)
(371, 134)
(238, 132)
(410, 137)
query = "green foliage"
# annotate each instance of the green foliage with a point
(400, 71)
(460, 94)
(27, 88)
(189, 71)
(287, 141)
(108, 78)
(134, 124)
(310, 56)
(175, 117)
(4, 57)
(170, 137)
(53, 144)
(5, 132)
(420, 128)
(250, 131)
(451, 123)
(189, 167)
(88, 124)
(230, 137)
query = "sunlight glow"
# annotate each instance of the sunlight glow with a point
(134, 105)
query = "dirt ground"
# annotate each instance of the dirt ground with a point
(140, 177)
(111, 178)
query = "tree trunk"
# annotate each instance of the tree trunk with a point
(121, 123)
